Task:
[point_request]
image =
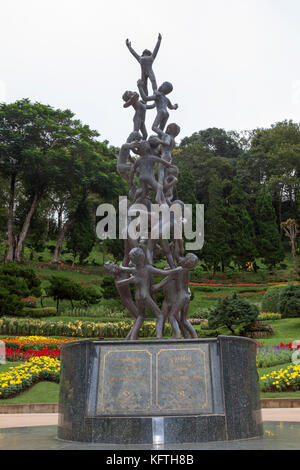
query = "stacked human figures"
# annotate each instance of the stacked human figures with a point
(151, 165)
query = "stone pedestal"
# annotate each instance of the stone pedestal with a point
(159, 391)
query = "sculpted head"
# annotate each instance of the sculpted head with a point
(146, 52)
(189, 262)
(166, 88)
(173, 129)
(137, 256)
(134, 137)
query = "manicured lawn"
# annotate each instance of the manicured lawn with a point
(285, 331)
(42, 392)
(280, 394)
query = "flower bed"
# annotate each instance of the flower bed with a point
(282, 380)
(260, 330)
(293, 345)
(38, 343)
(78, 329)
(13, 354)
(34, 342)
(21, 377)
(21, 348)
(269, 316)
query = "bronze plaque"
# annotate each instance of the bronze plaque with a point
(183, 380)
(126, 381)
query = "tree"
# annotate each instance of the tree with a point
(34, 140)
(242, 234)
(94, 180)
(289, 302)
(269, 246)
(216, 249)
(61, 288)
(274, 158)
(233, 312)
(218, 141)
(16, 282)
(82, 234)
(291, 230)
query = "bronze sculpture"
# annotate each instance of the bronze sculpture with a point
(153, 155)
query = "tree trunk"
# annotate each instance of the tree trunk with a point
(61, 237)
(23, 234)
(9, 256)
(294, 253)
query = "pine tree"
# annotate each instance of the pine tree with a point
(242, 233)
(81, 237)
(269, 246)
(216, 247)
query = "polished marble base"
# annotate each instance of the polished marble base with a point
(159, 391)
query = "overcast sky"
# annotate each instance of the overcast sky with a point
(234, 64)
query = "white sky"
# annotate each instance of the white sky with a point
(233, 63)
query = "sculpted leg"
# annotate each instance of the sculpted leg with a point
(134, 332)
(172, 319)
(184, 323)
(160, 318)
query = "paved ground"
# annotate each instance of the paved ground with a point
(291, 415)
(276, 436)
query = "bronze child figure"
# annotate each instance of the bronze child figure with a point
(162, 104)
(141, 275)
(146, 60)
(132, 98)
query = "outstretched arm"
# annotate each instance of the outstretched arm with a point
(125, 281)
(162, 272)
(154, 53)
(172, 106)
(161, 161)
(126, 269)
(150, 106)
(128, 44)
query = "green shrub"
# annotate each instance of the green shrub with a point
(90, 295)
(109, 290)
(10, 304)
(270, 300)
(16, 282)
(233, 312)
(289, 302)
(196, 273)
(29, 275)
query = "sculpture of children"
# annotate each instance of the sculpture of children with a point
(144, 166)
(141, 275)
(167, 176)
(131, 98)
(177, 298)
(161, 102)
(146, 60)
